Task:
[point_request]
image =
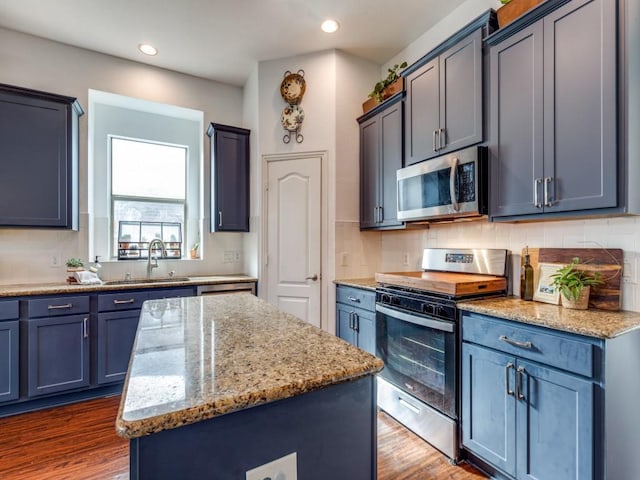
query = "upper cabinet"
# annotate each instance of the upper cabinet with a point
(229, 178)
(443, 109)
(553, 113)
(380, 158)
(38, 159)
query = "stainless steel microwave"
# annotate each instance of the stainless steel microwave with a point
(448, 187)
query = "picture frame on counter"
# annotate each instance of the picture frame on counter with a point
(545, 291)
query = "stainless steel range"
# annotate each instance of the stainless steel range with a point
(417, 337)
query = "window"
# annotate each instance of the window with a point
(148, 184)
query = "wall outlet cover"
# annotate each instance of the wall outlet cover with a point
(284, 468)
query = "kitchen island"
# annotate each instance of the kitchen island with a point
(220, 385)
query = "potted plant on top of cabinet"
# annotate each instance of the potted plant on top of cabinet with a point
(386, 87)
(575, 284)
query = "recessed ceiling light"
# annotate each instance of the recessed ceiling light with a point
(330, 26)
(147, 49)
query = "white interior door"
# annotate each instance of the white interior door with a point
(294, 236)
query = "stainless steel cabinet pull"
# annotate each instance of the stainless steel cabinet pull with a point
(375, 214)
(59, 307)
(506, 378)
(547, 181)
(353, 299)
(85, 327)
(435, 147)
(442, 138)
(380, 214)
(356, 322)
(314, 277)
(536, 198)
(453, 180)
(351, 320)
(515, 343)
(519, 373)
(123, 302)
(220, 218)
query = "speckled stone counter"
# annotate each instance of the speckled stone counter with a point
(57, 288)
(200, 357)
(593, 323)
(365, 283)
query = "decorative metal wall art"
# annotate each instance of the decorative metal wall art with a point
(292, 90)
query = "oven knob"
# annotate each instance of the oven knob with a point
(385, 298)
(395, 301)
(427, 308)
(440, 311)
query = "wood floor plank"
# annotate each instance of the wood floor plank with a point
(78, 442)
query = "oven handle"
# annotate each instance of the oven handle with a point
(441, 325)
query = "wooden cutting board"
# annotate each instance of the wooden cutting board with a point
(606, 261)
(455, 284)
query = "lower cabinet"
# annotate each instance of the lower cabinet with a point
(528, 407)
(356, 324)
(116, 334)
(9, 359)
(57, 354)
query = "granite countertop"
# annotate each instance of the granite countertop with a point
(365, 283)
(197, 358)
(57, 288)
(592, 323)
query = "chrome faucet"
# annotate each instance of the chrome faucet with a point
(151, 266)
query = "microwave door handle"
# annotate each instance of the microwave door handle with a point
(453, 180)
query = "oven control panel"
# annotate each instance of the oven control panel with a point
(458, 258)
(417, 303)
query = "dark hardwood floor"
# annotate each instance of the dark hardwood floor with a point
(78, 442)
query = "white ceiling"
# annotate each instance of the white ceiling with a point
(223, 39)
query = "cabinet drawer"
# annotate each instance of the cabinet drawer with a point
(109, 302)
(356, 297)
(170, 293)
(55, 306)
(9, 310)
(544, 346)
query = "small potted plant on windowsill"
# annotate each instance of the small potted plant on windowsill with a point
(385, 88)
(574, 284)
(74, 265)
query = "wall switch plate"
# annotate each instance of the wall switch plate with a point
(55, 261)
(405, 259)
(228, 257)
(284, 468)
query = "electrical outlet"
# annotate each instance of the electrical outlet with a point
(405, 259)
(284, 468)
(236, 256)
(345, 259)
(55, 261)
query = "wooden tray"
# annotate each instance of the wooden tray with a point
(515, 8)
(455, 284)
(606, 261)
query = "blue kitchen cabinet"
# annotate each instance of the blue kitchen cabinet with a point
(229, 178)
(553, 114)
(528, 398)
(381, 155)
(356, 317)
(38, 133)
(118, 316)
(9, 357)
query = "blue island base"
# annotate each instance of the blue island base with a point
(333, 432)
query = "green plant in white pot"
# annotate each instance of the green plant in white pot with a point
(574, 283)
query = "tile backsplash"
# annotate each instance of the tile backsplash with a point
(402, 250)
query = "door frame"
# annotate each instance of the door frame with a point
(324, 224)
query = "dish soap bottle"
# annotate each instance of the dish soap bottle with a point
(95, 268)
(526, 278)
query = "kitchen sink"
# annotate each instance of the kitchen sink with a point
(147, 280)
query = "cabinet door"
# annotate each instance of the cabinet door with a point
(461, 94)
(516, 123)
(38, 133)
(230, 179)
(365, 325)
(580, 156)
(116, 334)
(422, 112)
(369, 172)
(391, 160)
(8, 361)
(344, 318)
(555, 425)
(58, 354)
(489, 406)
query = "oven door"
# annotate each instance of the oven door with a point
(419, 354)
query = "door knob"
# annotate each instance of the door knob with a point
(314, 278)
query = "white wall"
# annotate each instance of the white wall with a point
(40, 64)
